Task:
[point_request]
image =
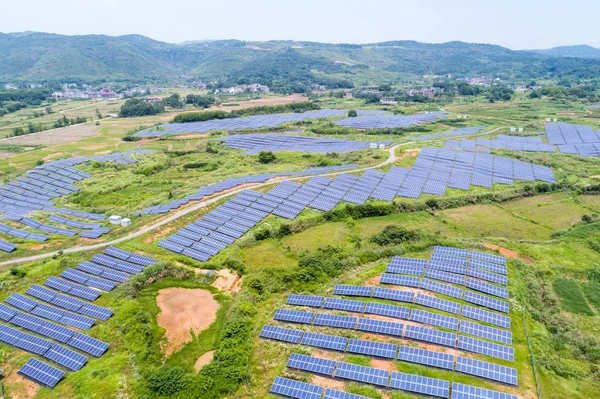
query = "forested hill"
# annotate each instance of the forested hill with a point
(93, 58)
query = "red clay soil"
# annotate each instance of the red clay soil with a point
(508, 253)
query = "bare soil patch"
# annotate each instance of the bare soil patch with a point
(55, 136)
(382, 364)
(29, 388)
(262, 101)
(328, 382)
(227, 281)
(203, 360)
(508, 253)
(182, 310)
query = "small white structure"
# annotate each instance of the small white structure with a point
(555, 119)
(115, 219)
(548, 119)
(125, 222)
(464, 116)
(373, 145)
(513, 129)
(520, 130)
(458, 116)
(382, 146)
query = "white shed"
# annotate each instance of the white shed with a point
(125, 222)
(115, 219)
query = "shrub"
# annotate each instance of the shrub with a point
(167, 380)
(393, 234)
(266, 157)
(352, 113)
(17, 272)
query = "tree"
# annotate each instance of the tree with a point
(136, 107)
(266, 157)
(499, 93)
(167, 380)
(49, 110)
(352, 113)
(173, 101)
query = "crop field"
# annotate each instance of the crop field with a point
(185, 328)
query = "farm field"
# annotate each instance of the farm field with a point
(183, 328)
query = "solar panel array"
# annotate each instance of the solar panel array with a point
(35, 192)
(369, 122)
(43, 318)
(254, 143)
(228, 184)
(574, 139)
(245, 123)
(465, 131)
(530, 144)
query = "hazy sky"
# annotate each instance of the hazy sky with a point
(517, 24)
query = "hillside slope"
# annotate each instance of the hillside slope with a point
(579, 51)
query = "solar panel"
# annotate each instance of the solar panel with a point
(312, 364)
(438, 303)
(344, 304)
(434, 319)
(487, 288)
(447, 267)
(353, 290)
(295, 389)
(487, 276)
(462, 391)
(10, 335)
(334, 394)
(7, 313)
(398, 312)
(486, 316)
(369, 375)
(445, 289)
(486, 348)
(88, 344)
(490, 371)
(378, 349)
(411, 262)
(449, 259)
(21, 302)
(486, 301)
(491, 333)
(305, 300)
(394, 279)
(281, 334)
(33, 344)
(294, 316)
(426, 357)
(487, 257)
(492, 267)
(75, 320)
(55, 331)
(323, 319)
(420, 384)
(430, 335)
(393, 295)
(450, 251)
(401, 269)
(41, 293)
(41, 373)
(95, 311)
(332, 342)
(380, 327)
(66, 357)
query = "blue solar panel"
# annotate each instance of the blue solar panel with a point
(486, 301)
(430, 335)
(434, 319)
(305, 300)
(41, 373)
(487, 288)
(461, 391)
(420, 384)
(398, 312)
(401, 269)
(486, 348)
(378, 349)
(490, 371)
(295, 389)
(332, 342)
(88, 344)
(486, 316)
(393, 295)
(437, 303)
(334, 394)
(294, 316)
(335, 321)
(362, 374)
(344, 304)
(406, 281)
(353, 290)
(281, 334)
(311, 364)
(426, 357)
(491, 333)
(380, 327)
(445, 289)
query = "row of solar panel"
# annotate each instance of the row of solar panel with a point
(410, 331)
(411, 383)
(409, 354)
(401, 312)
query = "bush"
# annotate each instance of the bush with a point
(352, 113)
(136, 107)
(266, 157)
(167, 380)
(17, 272)
(393, 234)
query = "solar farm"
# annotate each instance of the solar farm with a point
(413, 322)
(46, 319)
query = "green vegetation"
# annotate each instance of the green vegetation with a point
(571, 296)
(264, 110)
(136, 107)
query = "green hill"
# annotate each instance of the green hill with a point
(33, 56)
(580, 51)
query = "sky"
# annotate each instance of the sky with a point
(516, 24)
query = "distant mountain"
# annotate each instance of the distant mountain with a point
(35, 56)
(579, 51)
